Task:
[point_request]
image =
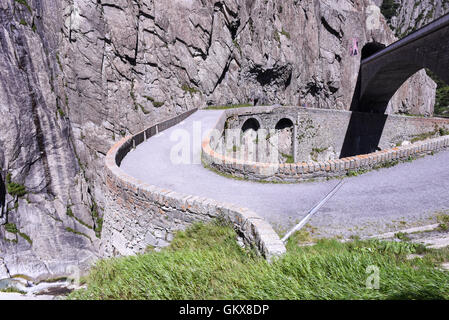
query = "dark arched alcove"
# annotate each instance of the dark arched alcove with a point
(251, 123)
(371, 48)
(283, 124)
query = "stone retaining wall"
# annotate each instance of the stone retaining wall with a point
(139, 216)
(331, 130)
(301, 171)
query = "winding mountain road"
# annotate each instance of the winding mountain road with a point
(406, 195)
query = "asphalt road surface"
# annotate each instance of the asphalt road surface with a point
(409, 194)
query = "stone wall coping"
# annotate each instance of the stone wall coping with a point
(269, 109)
(309, 170)
(254, 229)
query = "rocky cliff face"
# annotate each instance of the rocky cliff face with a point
(78, 75)
(410, 15)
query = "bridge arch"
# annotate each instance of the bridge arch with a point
(383, 71)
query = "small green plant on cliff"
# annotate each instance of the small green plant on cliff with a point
(389, 9)
(443, 220)
(24, 3)
(12, 228)
(98, 220)
(236, 44)
(206, 262)
(61, 112)
(69, 213)
(77, 233)
(156, 104)
(442, 95)
(285, 33)
(58, 60)
(289, 158)
(189, 89)
(13, 188)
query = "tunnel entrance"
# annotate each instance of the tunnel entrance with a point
(371, 48)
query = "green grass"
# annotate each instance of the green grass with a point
(229, 106)
(230, 176)
(12, 290)
(443, 220)
(423, 136)
(402, 236)
(355, 173)
(289, 158)
(205, 262)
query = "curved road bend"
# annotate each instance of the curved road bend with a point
(406, 195)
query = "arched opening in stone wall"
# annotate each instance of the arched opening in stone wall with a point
(284, 130)
(251, 123)
(283, 124)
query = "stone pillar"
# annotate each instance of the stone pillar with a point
(295, 143)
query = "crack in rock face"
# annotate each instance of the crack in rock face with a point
(77, 76)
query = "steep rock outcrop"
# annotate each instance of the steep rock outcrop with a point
(77, 75)
(42, 180)
(410, 15)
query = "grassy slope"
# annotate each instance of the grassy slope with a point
(205, 262)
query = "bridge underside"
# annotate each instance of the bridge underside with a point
(383, 73)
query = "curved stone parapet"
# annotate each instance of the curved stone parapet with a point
(139, 216)
(303, 171)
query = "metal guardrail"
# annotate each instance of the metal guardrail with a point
(430, 28)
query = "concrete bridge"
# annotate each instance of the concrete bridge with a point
(384, 69)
